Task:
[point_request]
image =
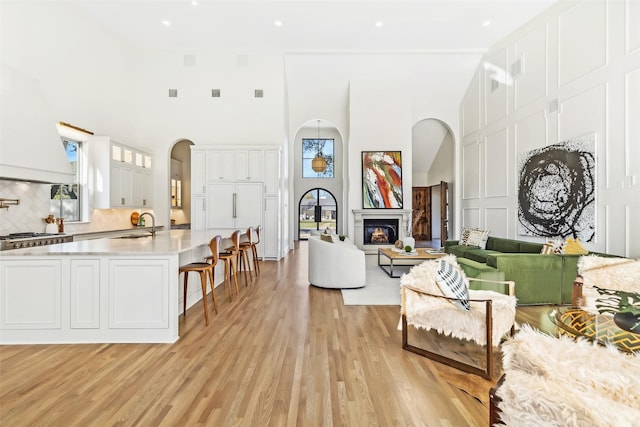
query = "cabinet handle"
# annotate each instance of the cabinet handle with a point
(204, 188)
(122, 200)
(234, 204)
(144, 202)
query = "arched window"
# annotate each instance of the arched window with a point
(317, 210)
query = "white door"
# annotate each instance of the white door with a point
(220, 205)
(249, 205)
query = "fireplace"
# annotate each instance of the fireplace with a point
(380, 231)
(387, 220)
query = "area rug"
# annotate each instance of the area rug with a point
(379, 290)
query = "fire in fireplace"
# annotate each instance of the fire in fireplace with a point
(380, 231)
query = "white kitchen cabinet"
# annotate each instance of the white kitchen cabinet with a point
(121, 175)
(270, 238)
(121, 186)
(234, 205)
(271, 172)
(198, 172)
(30, 294)
(142, 188)
(249, 165)
(217, 176)
(198, 213)
(135, 280)
(220, 166)
(85, 294)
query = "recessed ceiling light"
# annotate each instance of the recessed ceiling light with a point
(379, 24)
(166, 23)
(195, 3)
(277, 23)
(486, 23)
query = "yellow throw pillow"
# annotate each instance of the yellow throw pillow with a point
(574, 247)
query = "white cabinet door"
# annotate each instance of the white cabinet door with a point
(85, 294)
(147, 189)
(271, 232)
(220, 205)
(198, 213)
(249, 165)
(234, 205)
(220, 165)
(198, 171)
(132, 281)
(249, 205)
(31, 294)
(137, 187)
(121, 186)
(271, 172)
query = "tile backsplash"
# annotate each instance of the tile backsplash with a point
(34, 206)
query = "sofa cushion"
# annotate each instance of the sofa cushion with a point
(530, 248)
(479, 255)
(504, 245)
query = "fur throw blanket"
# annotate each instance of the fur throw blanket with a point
(428, 313)
(620, 274)
(562, 382)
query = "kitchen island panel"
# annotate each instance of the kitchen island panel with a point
(85, 293)
(138, 293)
(31, 294)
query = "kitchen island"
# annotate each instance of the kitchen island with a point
(110, 290)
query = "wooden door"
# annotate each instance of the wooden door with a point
(444, 212)
(421, 213)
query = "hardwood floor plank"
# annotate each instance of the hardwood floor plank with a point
(282, 353)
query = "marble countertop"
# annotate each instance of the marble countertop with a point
(168, 242)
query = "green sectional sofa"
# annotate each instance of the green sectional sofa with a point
(540, 279)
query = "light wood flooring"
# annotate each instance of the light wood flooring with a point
(282, 353)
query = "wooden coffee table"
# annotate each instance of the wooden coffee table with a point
(403, 259)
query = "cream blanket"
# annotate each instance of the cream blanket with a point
(561, 382)
(428, 313)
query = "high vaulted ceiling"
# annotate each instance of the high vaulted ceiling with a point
(329, 25)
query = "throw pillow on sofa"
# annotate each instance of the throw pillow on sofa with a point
(474, 237)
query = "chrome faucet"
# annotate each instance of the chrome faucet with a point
(153, 222)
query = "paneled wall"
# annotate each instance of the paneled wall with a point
(572, 71)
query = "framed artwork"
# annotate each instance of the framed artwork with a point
(381, 180)
(557, 190)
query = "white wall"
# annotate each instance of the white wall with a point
(581, 75)
(378, 126)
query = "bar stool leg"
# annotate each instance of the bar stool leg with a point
(184, 292)
(203, 281)
(213, 290)
(235, 274)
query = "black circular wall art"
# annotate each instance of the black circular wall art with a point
(556, 190)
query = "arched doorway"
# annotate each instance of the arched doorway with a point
(180, 184)
(432, 172)
(317, 210)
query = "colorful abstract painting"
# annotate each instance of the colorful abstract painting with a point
(381, 180)
(556, 190)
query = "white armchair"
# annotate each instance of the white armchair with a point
(335, 264)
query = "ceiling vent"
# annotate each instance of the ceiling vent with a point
(516, 68)
(189, 60)
(173, 93)
(258, 93)
(215, 93)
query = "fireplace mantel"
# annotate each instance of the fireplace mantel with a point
(403, 216)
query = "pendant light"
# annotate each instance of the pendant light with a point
(319, 163)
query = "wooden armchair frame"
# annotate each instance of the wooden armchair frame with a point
(488, 371)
